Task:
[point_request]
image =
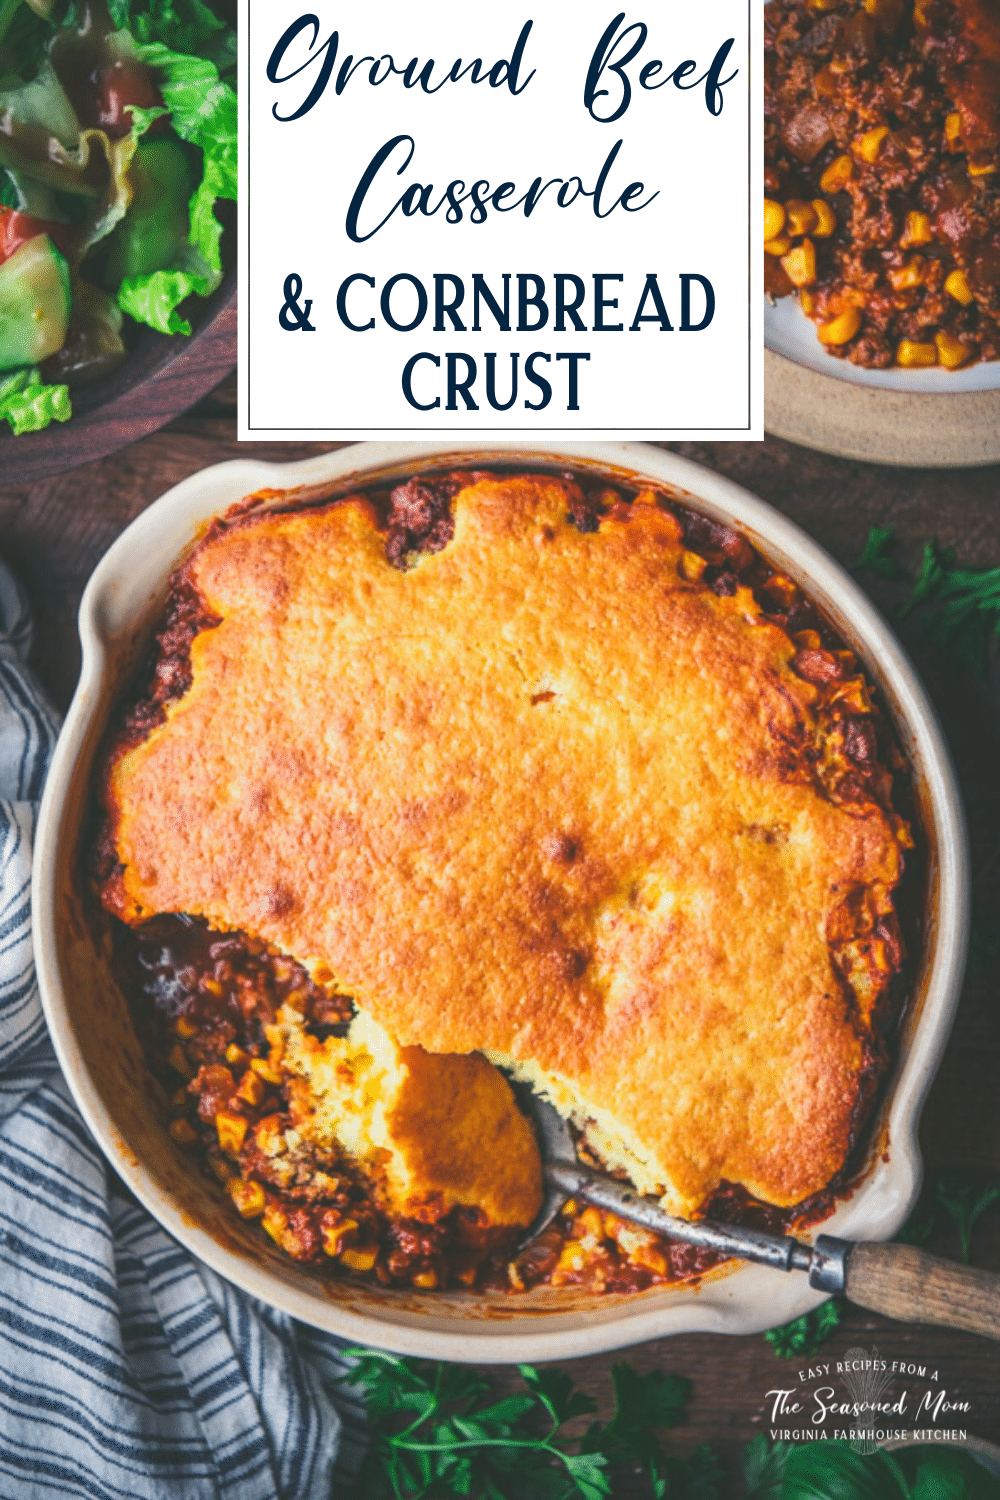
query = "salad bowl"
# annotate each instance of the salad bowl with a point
(117, 148)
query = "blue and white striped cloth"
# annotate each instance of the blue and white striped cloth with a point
(127, 1369)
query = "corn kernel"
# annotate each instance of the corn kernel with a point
(958, 287)
(265, 1071)
(869, 145)
(782, 590)
(807, 640)
(837, 175)
(248, 1197)
(912, 355)
(183, 1132)
(826, 219)
(212, 987)
(590, 1225)
(571, 1257)
(910, 275)
(951, 351)
(780, 246)
(334, 1235)
(251, 1089)
(692, 566)
(774, 219)
(982, 168)
(425, 1280)
(799, 217)
(184, 1027)
(824, 4)
(236, 1056)
(916, 230)
(800, 264)
(953, 127)
(841, 329)
(807, 302)
(570, 1207)
(232, 1130)
(360, 1260)
(275, 1221)
(646, 1255)
(177, 1058)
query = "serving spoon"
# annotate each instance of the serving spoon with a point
(898, 1281)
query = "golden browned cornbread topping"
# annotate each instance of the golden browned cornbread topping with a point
(542, 794)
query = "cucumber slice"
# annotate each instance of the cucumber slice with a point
(34, 304)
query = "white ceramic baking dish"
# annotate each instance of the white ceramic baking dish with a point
(99, 1053)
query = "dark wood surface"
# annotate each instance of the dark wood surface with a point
(53, 532)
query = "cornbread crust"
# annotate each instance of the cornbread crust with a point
(428, 1129)
(538, 795)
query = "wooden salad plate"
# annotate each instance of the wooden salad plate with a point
(161, 378)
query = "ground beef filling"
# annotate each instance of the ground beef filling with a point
(201, 1003)
(882, 175)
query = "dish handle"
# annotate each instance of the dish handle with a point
(902, 1282)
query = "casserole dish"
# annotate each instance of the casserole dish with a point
(89, 1018)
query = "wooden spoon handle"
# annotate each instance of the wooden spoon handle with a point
(905, 1283)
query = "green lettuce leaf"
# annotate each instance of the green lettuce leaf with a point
(23, 36)
(203, 113)
(28, 405)
(154, 299)
(202, 106)
(186, 26)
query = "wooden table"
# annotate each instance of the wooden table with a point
(53, 533)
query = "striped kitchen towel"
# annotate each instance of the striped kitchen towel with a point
(127, 1369)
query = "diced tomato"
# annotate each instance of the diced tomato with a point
(122, 84)
(16, 229)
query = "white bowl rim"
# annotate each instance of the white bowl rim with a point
(748, 1300)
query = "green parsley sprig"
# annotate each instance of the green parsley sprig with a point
(949, 1200)
(877, 556)
(439, 1432)
(833, 1471)
(803, 1336)
(958, 608)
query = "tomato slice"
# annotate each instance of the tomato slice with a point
(16, 229)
